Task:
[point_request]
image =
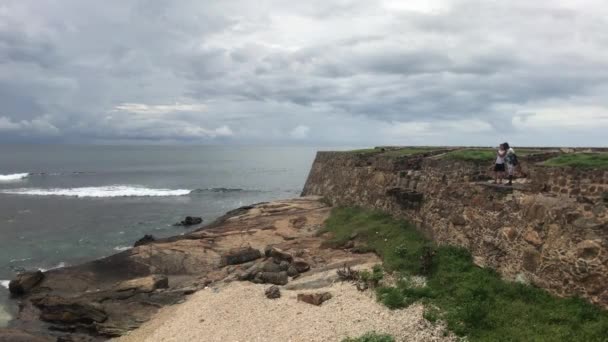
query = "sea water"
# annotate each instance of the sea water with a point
(62, 205)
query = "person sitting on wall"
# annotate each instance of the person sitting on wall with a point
(511, 162)
(499, 165)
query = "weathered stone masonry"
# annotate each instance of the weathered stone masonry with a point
(550, 230)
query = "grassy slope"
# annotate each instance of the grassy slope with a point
(473, 301)
(406, 151)
(483, 155)
(581, 160)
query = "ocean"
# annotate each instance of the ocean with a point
(62, 205)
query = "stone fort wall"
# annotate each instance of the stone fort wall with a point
(551, 229)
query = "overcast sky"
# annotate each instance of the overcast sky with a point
(317, 72)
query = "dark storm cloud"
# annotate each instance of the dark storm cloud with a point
(444, 71)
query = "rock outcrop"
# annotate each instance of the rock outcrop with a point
(110, 296)
(25, 282)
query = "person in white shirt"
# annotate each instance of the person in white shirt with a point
(499, 165)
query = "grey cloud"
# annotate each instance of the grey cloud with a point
(265, 70)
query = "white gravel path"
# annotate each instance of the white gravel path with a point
(239, 311)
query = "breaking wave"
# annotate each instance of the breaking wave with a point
(99, 191)
(13, 177)
(4, 283)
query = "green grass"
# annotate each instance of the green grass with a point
(484, 154)
(580, 160)
(371, 337)
(473, 301)
(408, 151)
(474, 155)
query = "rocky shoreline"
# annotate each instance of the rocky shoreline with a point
(270, 243)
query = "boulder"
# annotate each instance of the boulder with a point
(280, 255)
(189, 221)
(271, 266)
(144, 284)
(314, 298)
(144, 240)
(273, 292)
(250, 272)
(69, 311)
(14, 335)
(292, 271)
(301, 265)
(267, 251)
(276, 278)
(240, 255)
(588, 249)
(283, 265)
(25, 282)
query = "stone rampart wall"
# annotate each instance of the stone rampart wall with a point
(550, 230)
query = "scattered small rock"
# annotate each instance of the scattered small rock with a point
(301, 265)
(279, 254)
(314, 298)
(189, 221)
(273, 292)
(240, 255)
(276, 278)
(283, 265)
(292, 271)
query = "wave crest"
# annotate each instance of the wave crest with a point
(99, 192)
(13, 177)
(4, 283)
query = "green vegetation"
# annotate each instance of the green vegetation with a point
(484, 154)
(474, 155)
(408, 151)
(580, 160)
(371, 337)
(399, 152)
(473, 301)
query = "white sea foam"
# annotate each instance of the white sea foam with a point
(13, 177)
(121, 248)
(101, 191)
(59, 265)
(4, 283)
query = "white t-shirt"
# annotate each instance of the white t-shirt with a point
(499, 159)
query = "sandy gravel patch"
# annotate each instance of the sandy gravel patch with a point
(239, 311)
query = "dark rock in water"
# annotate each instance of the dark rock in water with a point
(314, 298)
(69, 311)
(276, 278)
(14, 335)
(189, 221)
(279, 254)
(240, 255)
(273, 292)
(25, 282)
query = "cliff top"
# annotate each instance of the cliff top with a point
(589, 157)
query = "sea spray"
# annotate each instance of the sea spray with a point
(100, 191)
(13, 177)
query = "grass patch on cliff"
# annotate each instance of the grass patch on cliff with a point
(580, 160)
(481, 155)
(371, 337)
(474, 302)
(474, 155)
(408, 151)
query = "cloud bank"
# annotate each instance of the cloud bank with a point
(347, 72)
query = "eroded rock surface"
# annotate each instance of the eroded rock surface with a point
(113, 295)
